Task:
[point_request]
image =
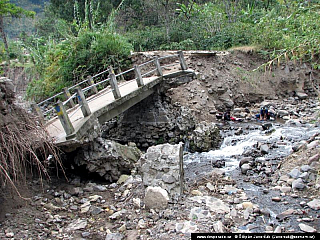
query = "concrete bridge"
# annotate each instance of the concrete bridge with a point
(71, 125)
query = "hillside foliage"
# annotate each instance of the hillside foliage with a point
(72, 39)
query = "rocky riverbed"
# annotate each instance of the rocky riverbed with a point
(271, 186)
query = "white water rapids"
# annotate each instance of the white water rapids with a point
(232, 147)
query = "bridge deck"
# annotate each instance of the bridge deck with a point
(96, 102)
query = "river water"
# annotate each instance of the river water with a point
(280, 138)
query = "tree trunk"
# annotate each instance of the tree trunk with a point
(3, 34)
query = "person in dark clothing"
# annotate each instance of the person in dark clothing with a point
(263, 113)
(226, 116)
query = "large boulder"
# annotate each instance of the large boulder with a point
(156, 198)
(108, 158)
(205, 137)
(162, 166)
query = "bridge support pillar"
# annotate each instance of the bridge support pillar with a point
(68, 95)
(114, 86)
(157, 63)
(83, 102)
(183, 63)
(138, 76)
(38, 111)
(64, 118)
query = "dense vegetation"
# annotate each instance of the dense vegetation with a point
(72, 39)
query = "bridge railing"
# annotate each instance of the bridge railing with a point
(78, 96)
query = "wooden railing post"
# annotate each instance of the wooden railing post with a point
(38, 111)
(91, 83)
(138, 76)
(111, 71)
(114, 86)
(64, 118)
(68, 95)
(120, 71)
(183, 63)
(157, 63)
(83, 102)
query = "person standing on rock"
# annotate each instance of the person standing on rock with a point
(263, 113)
(226, 116)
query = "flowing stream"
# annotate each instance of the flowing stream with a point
(280, 140)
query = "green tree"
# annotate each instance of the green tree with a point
(8, 9)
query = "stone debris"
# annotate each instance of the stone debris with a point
(306, 228)
(77, 225)
(107, 158)
(314, 204)
(156, 198)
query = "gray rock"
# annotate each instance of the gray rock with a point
(314, 158)
(239, 131)
(282, 113)
(305, 168)
(118, 214)
(295, 173)
(95, 210)
(278, 229)
(219, 227)
(264, 149)
(244, 168)
(168, 178)
(314, 204)
(285, 214)
(210, 186)
(276, 199)
(162, 166)
(186, 227)
(99, 188)
(298, 184)
(114, 236)
(85, 234)
(136, 202)
(107, 158)
(198, 213)
(266, 126)
(313, 144)
(306, 228)
(76, 191)
(216, 205)
(141, 224)
(156, 198)
(205, 137)
(76, 225)
(302, 95)
(122, 179)
(304, 175)
(245, 160)
(246, 213)
(285, 189)
(265, 212)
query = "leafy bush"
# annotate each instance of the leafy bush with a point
(291, 32)
(147, 39)
(72, 60)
